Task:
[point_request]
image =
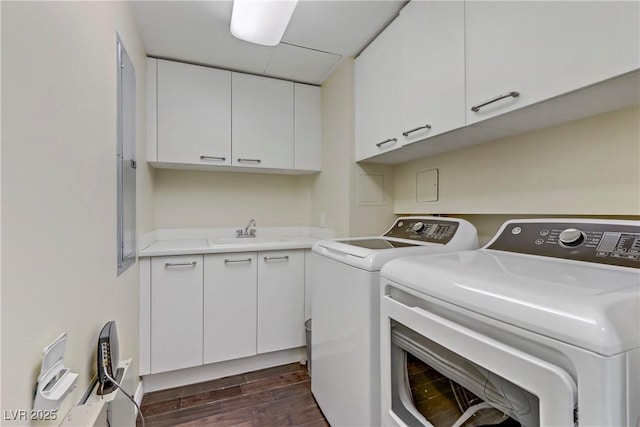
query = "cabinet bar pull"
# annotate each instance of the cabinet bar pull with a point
(180, 264)
(232, 261)
(249, 160)
(380, 144)
(477, 107)
(277, 258)
(219, 159)
(409, 132)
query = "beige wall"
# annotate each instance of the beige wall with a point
(365, 218)
(330, 188)
(585, 167)
(195, 199)
(335, 195)
(59, 188)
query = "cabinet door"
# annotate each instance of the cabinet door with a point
(280, 300)
(544, 49)
(377, 99)
(307, 128)
(262, 122)
(230, 282)
(194, 114)
(432, 66)
(176, 312)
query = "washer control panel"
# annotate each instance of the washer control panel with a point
(423, 230)
(612, 244)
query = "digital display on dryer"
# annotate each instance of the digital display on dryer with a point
(620, 243)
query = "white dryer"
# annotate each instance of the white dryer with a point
(539, 327)
(345, 309)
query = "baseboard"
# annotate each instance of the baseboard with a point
(165, 380)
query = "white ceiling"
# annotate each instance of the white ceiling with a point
(321, 33)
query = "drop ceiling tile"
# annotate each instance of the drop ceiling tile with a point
(301, 64)
(343, 27)
(197, 32)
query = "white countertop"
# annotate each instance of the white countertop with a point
(223, 240)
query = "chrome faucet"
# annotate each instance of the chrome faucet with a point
(247, 231)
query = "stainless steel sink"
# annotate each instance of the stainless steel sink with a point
(246, 241)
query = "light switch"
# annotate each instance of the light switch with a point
(427, 186)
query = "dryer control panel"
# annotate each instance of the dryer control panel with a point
(612, 244)
(423, 230)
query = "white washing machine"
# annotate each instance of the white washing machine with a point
(541, 327)
(345, 309)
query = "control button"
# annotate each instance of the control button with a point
(539, 241)
(604, 254)
(400, 224)
(571, 237)
(544, 232)
(516, 230)
(418, 227)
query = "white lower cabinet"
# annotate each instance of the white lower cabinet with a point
(176, 312)
(280, 300)
(216, 307)
(230, 298)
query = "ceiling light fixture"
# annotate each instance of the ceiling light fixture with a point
(261, 21)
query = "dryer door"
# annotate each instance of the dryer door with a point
(495, 376)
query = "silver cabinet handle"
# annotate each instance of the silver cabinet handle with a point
(477, 107)
(249, 160)
(277, 258)
(380, 144)
(233, 261)
(218, 159)
(409, 132)
(180, 264)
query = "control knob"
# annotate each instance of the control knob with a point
(571, 237)
(419, 226)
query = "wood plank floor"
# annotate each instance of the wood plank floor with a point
(279, 396)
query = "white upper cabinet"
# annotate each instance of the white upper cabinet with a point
(410, 80)
(307, 128)
(449, 74)
(194, 114)
(543, 49)
(210, 119)
(262, 126)
(432, 82)
(377, 82)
